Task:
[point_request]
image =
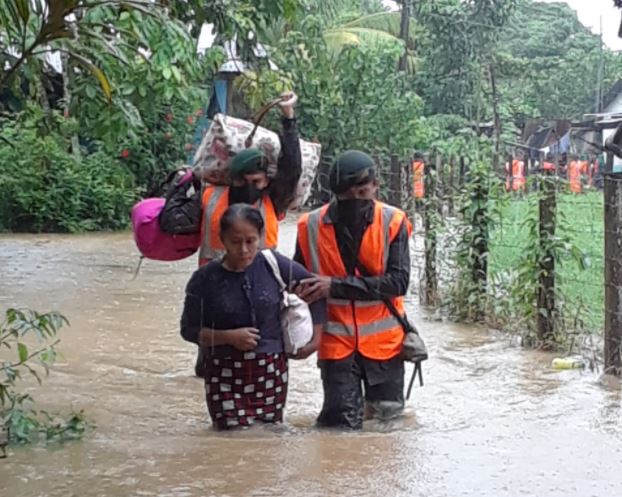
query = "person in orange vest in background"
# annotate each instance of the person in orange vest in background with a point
(574, 175)
(516, 174)
(418, 166)
(358, 248)
(250, 184)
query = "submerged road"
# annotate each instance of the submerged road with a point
(493, 420)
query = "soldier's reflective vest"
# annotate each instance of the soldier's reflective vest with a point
(215, 203)
(366, 326)
(574, 176)
(418, 179)
(517, 180)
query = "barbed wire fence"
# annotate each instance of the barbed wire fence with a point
(534, 255)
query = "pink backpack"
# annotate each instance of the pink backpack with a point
(152, 242)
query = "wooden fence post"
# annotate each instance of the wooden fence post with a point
(410, 188)
(440, 183)
(546, 286)
(613, 273)
(451, 187)
(395, 182)
(479, 228)
(429, 296)
(461, 173)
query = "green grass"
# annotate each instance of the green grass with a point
(580, 220)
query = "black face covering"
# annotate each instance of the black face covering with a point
(245, 194)
(354, 211)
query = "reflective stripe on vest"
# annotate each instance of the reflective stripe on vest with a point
(210, 248)
(364, 325)
(217, 203)
(313, 232)
(346, 330)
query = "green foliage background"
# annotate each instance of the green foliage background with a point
(134, 87)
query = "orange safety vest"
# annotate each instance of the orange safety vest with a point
(574, 176)
(366, 326)
(215, 203)
(418, 179)
(518, 175)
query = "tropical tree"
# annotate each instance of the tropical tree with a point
(30, 31)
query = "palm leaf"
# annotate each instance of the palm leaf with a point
(340, 37)
(336, 39)
(388, 22)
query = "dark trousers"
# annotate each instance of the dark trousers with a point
(352, 383)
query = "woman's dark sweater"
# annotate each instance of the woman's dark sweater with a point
(222, 299)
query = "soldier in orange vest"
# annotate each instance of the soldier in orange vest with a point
(418, 166)
(574, 175)
(515, 175)
(358, 249)
(250, 184)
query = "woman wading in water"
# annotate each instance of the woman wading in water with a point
(232, 309)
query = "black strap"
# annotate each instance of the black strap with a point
(408, 327)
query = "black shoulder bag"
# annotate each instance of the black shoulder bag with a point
(413, 346)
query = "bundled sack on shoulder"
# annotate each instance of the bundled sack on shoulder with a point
(228, 135)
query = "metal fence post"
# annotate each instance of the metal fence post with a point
(613, 273)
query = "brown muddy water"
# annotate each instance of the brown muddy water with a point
(492, 420)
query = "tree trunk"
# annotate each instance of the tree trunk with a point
(67, 83)
(495, 109)
(404, 35)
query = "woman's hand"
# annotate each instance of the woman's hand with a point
(306, 351)
(311, 347)
(244, 339)
(288, 103)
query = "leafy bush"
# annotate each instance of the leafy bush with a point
(46, 187)
(20, 421)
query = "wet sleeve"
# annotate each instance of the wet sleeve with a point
(292, 272)
(289, 168)
(191, 316)
(394, 283)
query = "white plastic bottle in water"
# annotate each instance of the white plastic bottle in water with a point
(568, 363)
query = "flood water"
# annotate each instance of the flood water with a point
(492, 420)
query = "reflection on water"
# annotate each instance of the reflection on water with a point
(492, 420)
